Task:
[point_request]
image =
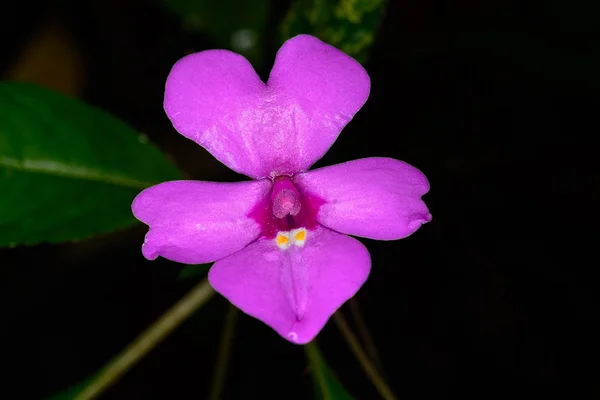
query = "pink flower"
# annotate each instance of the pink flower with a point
(279, 241)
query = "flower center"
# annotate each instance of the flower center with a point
(286, 218)
(287, 213)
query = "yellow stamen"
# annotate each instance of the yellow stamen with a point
(282, 240)
(300, 235)
(297, 237)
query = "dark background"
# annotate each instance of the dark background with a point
(496, 102)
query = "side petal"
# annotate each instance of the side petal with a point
(295, 290)
(216, 99)
(194, 222)
(376, 198)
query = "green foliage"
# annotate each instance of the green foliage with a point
(238, 25)
(68, 171)
(349, 25)
(327, 386)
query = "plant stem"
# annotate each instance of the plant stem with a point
(365, 335)
(316, 364)
(134, 352)
(379, 383)
(224, 351)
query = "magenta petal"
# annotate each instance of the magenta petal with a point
(376, 198)
(196, 222)
(216, 99)
(294, 291)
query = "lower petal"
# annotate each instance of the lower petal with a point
(294, 290)
(196, 222)
(376, 198)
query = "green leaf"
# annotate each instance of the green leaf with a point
(328, 387)
(193, 271)
(238, 25)
(349, 25)
(67, 170)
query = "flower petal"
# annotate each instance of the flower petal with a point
(216, 99)
(295, 290)
(376, 198)
(196, 222)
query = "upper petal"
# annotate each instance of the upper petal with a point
(216, 99)
(376, 198)
(296, 290)
(196, 222)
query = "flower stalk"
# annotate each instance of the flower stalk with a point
(155, 334)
